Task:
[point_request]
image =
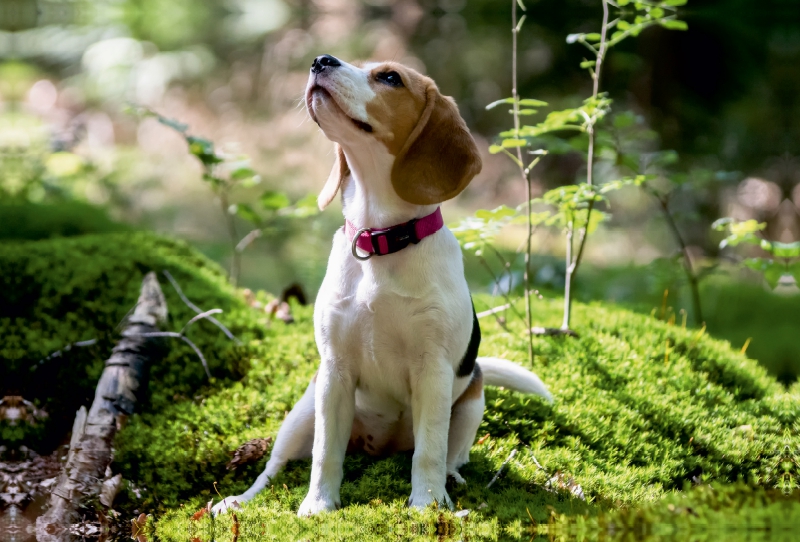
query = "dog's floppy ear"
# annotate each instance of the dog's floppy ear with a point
(338, 173)
(440, 158)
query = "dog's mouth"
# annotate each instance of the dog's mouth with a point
(361, 125)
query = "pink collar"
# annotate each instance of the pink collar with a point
(385, 241)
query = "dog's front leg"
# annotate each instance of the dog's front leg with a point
(334, 403)
(431, 398)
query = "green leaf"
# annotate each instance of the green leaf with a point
(247, 212)
(593, 36)
(519, 24)
(245, 176)
(741, 232)
(770, 269)
(526, 111)
(786, 250)
(588, 64)
(274, 200)
(532, 103)
(495, 214)
(174, 124)
(623, 25)
(521, 5)
(675, 25)
(305, 207)
(242, 173)
(673, 3)
(656, 13)
(623, 2)
(495, 149)
(203, 149)
(513, 143)
(498, 102)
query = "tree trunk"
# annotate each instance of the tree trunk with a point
(115, 397)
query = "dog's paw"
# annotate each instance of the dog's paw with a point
(228, 503)
(423, 499)
(456, 477)
(312, 505)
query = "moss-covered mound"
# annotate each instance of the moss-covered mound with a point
(641, 407)
(56, 293)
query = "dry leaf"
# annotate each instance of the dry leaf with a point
(199, 514)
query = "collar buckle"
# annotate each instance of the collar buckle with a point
(354, 245)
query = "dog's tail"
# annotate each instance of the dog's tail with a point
(500, 372)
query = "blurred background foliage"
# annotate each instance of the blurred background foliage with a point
(725, 95)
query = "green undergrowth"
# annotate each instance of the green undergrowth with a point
(642, 410)
(733, 512)
(58, 292)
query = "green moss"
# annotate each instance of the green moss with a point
(709, 512)
(641, 407)
(629, 424)
(33, 221)
(54, 293)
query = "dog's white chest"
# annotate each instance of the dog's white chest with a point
(383, 322)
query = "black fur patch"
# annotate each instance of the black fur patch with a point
(468, 361)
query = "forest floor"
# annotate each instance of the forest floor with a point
(655, 428)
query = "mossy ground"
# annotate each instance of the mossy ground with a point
(642, 408)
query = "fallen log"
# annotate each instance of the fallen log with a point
(115, 396)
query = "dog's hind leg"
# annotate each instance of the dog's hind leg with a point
(465, 417)
(294, 441)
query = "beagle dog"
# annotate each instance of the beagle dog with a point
(394, 322)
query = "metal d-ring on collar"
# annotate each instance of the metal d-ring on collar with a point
(354, 246)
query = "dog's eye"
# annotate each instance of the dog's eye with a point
(390, 78)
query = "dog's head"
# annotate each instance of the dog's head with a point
(403, 112)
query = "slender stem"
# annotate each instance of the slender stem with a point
(497, 284)
(572, 266)
(507, 272)
(233, 274)
(601, 53)
(568, 278)
(687, 262)
(515, 95)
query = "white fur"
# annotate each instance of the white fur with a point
(391, 333)
(500, 372)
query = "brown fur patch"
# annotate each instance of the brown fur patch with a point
(474, 389)
(395, 111)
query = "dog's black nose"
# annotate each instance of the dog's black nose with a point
(324, 61)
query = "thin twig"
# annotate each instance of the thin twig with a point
(497, 285)
(495, 310)
(536, 462)
(687, 262)
(500, 470)
(520, 163)
(184, 338)
(233, 235)
(572, 265)
(201, 316)
(198, 310)
(507, 268)
(197, 351)
(59, 353)
(248, 239)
